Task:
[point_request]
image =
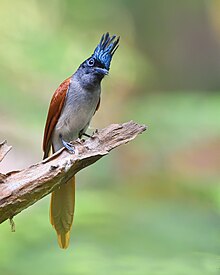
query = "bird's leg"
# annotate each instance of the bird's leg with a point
(86, 135)
(67, 145)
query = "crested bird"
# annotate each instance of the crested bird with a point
(71, 109)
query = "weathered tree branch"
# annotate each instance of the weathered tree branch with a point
(20, 189)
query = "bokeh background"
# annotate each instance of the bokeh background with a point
(153, 206)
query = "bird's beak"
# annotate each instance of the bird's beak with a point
(101, 71)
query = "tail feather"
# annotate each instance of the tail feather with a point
(62, 211)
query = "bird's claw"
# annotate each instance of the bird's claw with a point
(90, 136)
(70, 147)
(86, 135)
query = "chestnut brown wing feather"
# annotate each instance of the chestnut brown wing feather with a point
(55, 108)
(98, 105)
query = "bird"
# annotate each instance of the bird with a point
(71, 109)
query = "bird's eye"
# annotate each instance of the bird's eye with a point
(91, 62)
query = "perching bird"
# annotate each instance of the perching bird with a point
(71, 109)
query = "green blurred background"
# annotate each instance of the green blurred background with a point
(153, 206)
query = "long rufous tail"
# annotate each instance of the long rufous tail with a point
(62, 211)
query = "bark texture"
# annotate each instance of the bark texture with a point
(20, 189)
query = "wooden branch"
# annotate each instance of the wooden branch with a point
(20, 189)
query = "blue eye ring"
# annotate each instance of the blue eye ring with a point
(91, 62)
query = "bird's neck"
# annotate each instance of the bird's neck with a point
(89, 82)
(80, 92)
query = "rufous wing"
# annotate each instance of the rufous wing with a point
(55, 108)
(98, 105)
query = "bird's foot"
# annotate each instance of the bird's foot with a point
(90, 136)
(87, 135)
(79, 141)
(70, 147)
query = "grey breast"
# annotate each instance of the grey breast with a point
(79, 107)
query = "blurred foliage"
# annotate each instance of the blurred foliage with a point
(151, 207)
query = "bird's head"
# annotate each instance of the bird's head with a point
(93, 69)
